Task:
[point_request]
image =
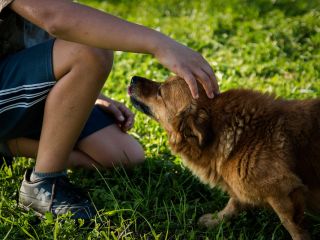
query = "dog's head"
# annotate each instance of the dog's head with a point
(171, 104)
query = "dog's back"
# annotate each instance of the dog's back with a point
(298, 122)
(303, 128)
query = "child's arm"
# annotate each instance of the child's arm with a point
(74, 22)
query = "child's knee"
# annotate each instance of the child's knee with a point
(68, 55)
(133, 154)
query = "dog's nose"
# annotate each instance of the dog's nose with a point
(134, 79)
(133, 82)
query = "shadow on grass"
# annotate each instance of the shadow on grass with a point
(162, 199)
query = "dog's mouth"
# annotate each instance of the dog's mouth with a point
(130, 90)
(137, 103)
(140, 106)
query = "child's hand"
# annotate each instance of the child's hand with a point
(188, 64)
(123, 115)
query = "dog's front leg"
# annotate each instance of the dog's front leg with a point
(232, 209)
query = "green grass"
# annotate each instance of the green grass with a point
(271, 46)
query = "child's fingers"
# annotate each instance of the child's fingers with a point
(192, 83)
(206, 82)
(129, 117)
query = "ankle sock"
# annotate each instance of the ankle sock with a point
(41, 175)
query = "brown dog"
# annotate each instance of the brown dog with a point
(261, 150)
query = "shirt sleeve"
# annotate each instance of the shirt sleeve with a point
(4, 3)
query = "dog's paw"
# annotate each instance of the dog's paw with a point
(208, 220)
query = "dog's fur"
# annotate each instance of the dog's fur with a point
(261, 150)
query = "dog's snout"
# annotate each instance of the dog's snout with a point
(135, 79)
(136, 82)
(133, 83)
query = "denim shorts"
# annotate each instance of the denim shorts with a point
(26, 79)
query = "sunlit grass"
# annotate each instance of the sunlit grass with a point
(270, 46)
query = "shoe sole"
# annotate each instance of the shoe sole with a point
(28, 209)
(40, 215)
(87, 222)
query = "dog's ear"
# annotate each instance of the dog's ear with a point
(194, 125)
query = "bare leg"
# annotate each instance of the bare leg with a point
(80, 72)
(25, 147)
(111, 147)
(105, 148)
(232, 209)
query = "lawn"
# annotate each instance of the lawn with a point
(266, 45)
